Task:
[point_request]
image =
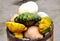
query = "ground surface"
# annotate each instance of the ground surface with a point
(51, 7)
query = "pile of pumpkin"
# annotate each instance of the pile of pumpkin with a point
(29, 23)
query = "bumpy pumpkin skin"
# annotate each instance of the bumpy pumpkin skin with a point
(16, 27)
(27, 19)
(45, 25)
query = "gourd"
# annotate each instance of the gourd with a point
(33, 33)
(27, 19)
(30, 7)
(18, 35)
(16, 27)
(45, 25)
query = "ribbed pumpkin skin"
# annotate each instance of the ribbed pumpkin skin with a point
(27, 19)
(45, 25)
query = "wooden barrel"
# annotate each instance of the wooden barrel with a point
(47, 37)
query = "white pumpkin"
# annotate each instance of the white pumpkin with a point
(30, 7)
(42, 14)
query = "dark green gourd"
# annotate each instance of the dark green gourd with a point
(27, 19)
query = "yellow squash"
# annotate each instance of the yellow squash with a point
(44, 24)
(18, 35)
(15, 27)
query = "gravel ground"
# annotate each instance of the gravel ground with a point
(51, 7)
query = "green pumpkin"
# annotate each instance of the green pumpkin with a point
(27, 19)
